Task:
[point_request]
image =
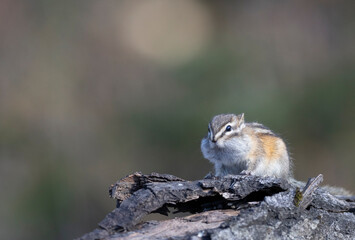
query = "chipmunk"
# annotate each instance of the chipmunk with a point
(238, 147)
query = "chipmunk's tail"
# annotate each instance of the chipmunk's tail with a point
(336, 191)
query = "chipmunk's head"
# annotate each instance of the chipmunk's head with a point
(221, 144)
(224, 126)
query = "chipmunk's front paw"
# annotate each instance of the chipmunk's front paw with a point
(210, 175)
(245, 172)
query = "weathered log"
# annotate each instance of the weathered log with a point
(234, 207)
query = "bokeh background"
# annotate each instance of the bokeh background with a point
(91, 91)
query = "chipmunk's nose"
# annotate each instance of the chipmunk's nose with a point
(213, 140)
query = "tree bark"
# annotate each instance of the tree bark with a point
(234, 207)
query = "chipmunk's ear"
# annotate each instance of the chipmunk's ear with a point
(241, 118)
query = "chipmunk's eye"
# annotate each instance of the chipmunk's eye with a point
(228, 128)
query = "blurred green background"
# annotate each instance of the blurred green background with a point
(91, 91)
